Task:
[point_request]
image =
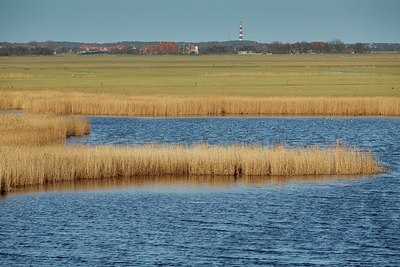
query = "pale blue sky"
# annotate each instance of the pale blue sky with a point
(206, 20)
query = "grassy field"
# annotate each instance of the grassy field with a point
(267, 75)
(288, 85)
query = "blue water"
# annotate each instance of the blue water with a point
(223, 221)
(380, 135)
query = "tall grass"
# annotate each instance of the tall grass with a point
(32, 153)
(27, 165)
(39, 129)
(131, 105)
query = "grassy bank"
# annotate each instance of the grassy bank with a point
(29, 165)
(127, 105)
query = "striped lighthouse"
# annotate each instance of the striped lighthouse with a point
(241, 32)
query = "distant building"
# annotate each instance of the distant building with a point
(161, 48)
(249, 53)
(97, 49)
(191, 49)
(89, 49)
(119, 47)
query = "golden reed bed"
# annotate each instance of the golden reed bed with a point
(79, 103)
(31, 152)
(29, 165)
(17, 130)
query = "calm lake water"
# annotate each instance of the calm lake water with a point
(203, 221)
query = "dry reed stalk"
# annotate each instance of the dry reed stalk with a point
(30, 165)
(130, 105)
(39, 129)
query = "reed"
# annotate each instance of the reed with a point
(66, 103)
(29, 165)
(31, 153)
(39, 129)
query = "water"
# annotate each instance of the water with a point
(203, 221)
(380, 135)
(13, 112)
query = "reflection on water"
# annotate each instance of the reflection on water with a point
(173, 181)
(11, 111)
(204, 221)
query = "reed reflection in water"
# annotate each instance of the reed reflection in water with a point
(167, 182)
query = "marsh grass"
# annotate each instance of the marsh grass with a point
(29, 165)
(32, 150)
(69, 103)
(39, 129)
(32, 153)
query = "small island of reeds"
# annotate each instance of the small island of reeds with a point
(32, 152)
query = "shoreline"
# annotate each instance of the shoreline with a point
(238, 116)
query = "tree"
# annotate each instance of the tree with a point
(360, 48)
(337, 46)
(279, 48)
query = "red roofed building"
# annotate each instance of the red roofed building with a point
(161, 48)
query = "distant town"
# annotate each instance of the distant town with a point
(240, 46)
(203, 48)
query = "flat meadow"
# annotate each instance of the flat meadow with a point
(260, 76)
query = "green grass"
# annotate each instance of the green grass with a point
(267, 75)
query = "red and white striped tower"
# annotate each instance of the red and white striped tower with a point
(241, 32)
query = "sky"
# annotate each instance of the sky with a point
(202, 20)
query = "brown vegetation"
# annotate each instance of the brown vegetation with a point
(39, 129)
(31, 152)
(29, 165)
(129, 105)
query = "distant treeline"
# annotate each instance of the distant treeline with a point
(228, 47)
(332, 47)
(25, 51)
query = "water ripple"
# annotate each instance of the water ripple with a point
(326, 222)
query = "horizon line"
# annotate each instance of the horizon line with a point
(214, 41)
